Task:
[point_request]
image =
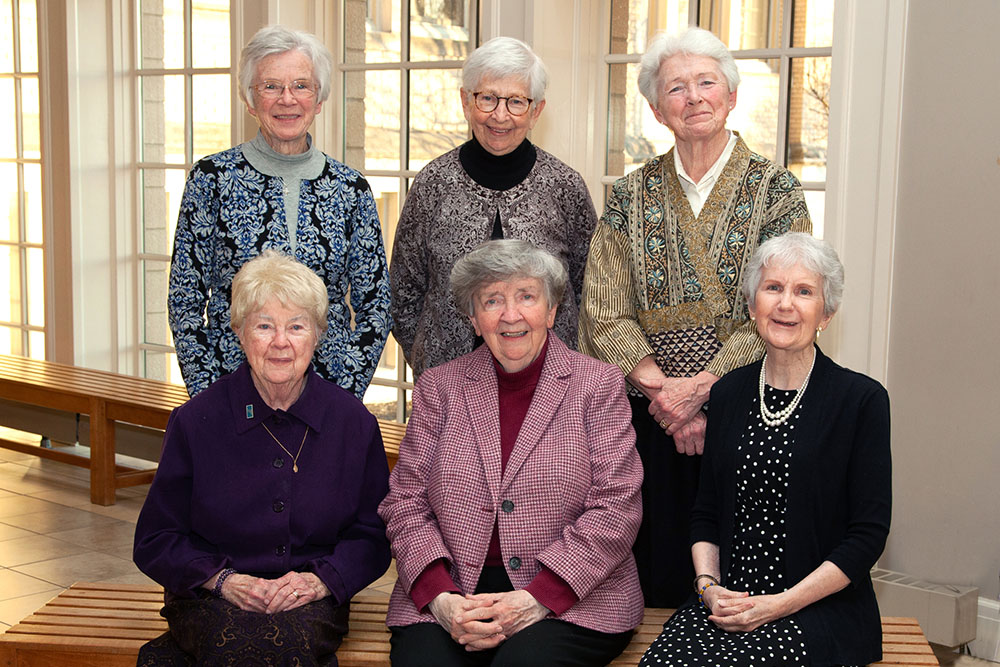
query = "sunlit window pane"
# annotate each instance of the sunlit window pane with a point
(8, 114)
(437, 123)
(756, 114)
(31, 144)
(34, 225)
(210, 33)
(162, 190)
(36, 344)
(10, 283)
(438, 30)
(6, 37)
(27, 16)
(372, 119)
(809, 118)
(35, 283)
(744, 24)
(212, 99)
(9, 204)
(816, 201)
(371, 32)
(10, 340)
(812, 23)
(154, 284)
(631, 30)
(161, 34)
(163, 119)
(161, 366)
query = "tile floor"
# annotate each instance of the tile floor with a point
(51, 536)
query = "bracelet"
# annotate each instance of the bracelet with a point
(703, 576)
(217, 590)
(701, 594)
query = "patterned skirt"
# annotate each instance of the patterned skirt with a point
(211, 631)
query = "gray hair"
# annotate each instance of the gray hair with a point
(274, 39)
(274, 275)
(502, 260)
(502, 57)
(797, 248)
(692, 42)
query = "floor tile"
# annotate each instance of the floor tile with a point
(54, 518)
(124, 509)
(89, 566)
(11, 506)
(15, 610)
(98, 538)
(24, 550)
(67, 497)
(16, 584)
(136, 577)
(9, 532)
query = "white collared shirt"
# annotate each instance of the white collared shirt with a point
(698, 192)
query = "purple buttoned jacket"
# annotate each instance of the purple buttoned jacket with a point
(569, 497)
(226, 495)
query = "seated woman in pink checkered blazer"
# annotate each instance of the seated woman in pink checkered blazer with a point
(515, 502)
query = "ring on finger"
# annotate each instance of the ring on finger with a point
(296, 594)
(664, 424)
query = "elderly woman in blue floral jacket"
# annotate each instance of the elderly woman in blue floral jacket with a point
(278, 191)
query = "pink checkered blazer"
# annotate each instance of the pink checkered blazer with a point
(573, 478)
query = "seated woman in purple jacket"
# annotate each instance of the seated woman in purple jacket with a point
(515, 502)
(261, 523)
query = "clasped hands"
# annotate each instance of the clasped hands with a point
(675, 403)
(270, 596)
(738, 611)
(485, 620)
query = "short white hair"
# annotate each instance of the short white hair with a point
(692, 42)
(503, 57)
(797, 248)
(274, 39)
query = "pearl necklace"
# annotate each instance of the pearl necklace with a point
(778, 418)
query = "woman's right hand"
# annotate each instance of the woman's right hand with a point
(723, 602)
(477, 631)
(249, 593)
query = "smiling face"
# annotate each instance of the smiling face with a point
(279, 342)
(498, 131)
(789, 307)
(513, 317)
(694, 99)
(284, 120)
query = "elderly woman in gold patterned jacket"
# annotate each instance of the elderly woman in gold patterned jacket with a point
(661, 294)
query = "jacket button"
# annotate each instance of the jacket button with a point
(279, 550)
(278, 506)
(278, 462)
(515, 563)
(507, 506)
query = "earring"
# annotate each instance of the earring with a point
(819, 330)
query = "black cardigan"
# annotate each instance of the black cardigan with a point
(839, 497)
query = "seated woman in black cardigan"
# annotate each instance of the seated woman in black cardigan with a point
(794, 500)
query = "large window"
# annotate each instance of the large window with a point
(782, 49)
(185, 92)
(401, 67)
(22, 266)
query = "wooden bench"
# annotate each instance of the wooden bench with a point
(108, 398)
(103, 625)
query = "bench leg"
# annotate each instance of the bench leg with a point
(102, 455)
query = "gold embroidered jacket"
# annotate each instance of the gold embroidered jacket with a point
(660, 281)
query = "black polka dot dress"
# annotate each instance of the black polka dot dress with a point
(757, 563)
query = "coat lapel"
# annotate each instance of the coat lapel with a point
(482, 404)
(549, 394)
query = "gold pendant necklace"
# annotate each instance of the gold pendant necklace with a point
(295, 459)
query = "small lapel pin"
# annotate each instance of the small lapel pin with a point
(249, 410)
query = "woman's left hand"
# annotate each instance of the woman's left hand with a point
(761, 609)
(295, 589)
(514, 610)
(678, 399)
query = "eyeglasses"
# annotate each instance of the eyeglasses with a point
(300, 88)
(516, 104)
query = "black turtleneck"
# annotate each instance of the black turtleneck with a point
(497, 172)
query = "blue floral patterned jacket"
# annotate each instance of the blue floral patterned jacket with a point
(229, 214)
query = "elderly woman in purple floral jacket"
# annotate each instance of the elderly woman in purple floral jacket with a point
(261, 522)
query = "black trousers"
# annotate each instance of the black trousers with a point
(662, 548)
(548, 642)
